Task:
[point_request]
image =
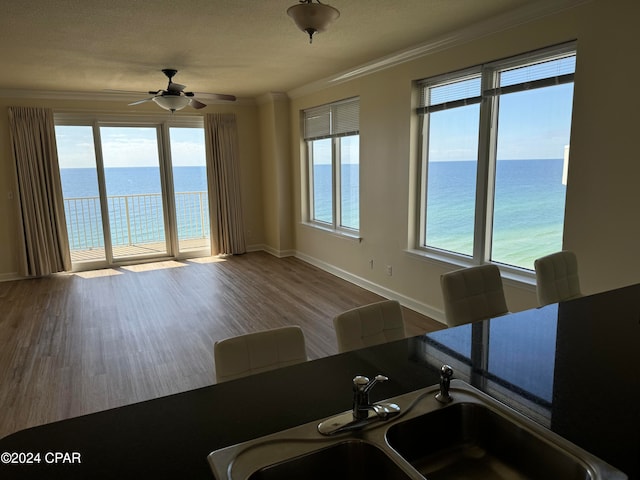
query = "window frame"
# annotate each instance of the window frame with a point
(162, 123)
(335, 134)
(486, 157)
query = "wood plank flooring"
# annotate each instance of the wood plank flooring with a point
(72, 344)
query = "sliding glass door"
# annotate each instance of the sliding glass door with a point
(189, 173)
(133, 192)
(81, 193)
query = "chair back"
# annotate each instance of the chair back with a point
(368, 325)
(472, 294)
(557, 277)
(257, 352)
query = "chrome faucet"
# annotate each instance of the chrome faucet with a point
(361, 388)
(443, 396)
(363, 411)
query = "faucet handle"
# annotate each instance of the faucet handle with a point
(363, 384)
(360, 382)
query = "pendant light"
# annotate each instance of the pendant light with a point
(312, 17)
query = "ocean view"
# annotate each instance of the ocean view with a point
(81, 182)
(528, 210)
(528, 219)
(528, 215)
(134, 204)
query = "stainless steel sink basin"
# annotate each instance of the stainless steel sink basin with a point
(470, 441)
(348, 460)
(473, 437)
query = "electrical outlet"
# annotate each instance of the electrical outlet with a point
(371, 264)
(389, 270)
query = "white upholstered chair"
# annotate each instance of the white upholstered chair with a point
(368, 325)
(472, 294)
(257, 352)
(557, 277)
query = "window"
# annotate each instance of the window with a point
(495, 144)
(331, 133)
(133, 187)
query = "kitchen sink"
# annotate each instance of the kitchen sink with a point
(352, 459)
(472, 437)
(470, 441)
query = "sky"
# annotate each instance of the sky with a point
(533, 124)
(127, 146)
(350, 150)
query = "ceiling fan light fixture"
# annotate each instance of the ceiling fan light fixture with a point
(313, 17)
(171, 102)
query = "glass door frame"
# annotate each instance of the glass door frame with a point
(162, 125)
(165, 186)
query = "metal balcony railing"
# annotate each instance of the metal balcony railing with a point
(134, 219)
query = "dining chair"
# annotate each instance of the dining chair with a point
(472, 294)
(369, 325)
(557, 277)
(257, 352)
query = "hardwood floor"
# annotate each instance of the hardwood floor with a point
(73, 344)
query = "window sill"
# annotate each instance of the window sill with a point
(332, 231)
(513, 276)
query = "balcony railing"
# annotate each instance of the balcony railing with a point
(134, 220)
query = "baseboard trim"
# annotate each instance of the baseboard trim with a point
(273, 251)
(7, 277)
(408, 302)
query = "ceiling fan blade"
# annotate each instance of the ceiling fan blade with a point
(141, 101)
(196, 104)
(176, 87)
(138, 92)
(222, 96)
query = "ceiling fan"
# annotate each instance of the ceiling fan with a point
(175, 98)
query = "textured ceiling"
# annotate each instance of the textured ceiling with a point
(241, 47)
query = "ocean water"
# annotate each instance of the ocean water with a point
(82, 182)
(528, 209)
(136, 219)
(528, 219)
(350, 195)
(528, 214)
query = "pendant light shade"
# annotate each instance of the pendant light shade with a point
(313, 17)
(172, 102)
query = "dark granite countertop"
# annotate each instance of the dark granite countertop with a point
(572, 367)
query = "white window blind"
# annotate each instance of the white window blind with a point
(333, 120)
(465, 89)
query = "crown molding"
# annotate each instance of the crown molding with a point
(525, 14)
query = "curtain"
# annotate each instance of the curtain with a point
(42, 219)
(223, 177)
